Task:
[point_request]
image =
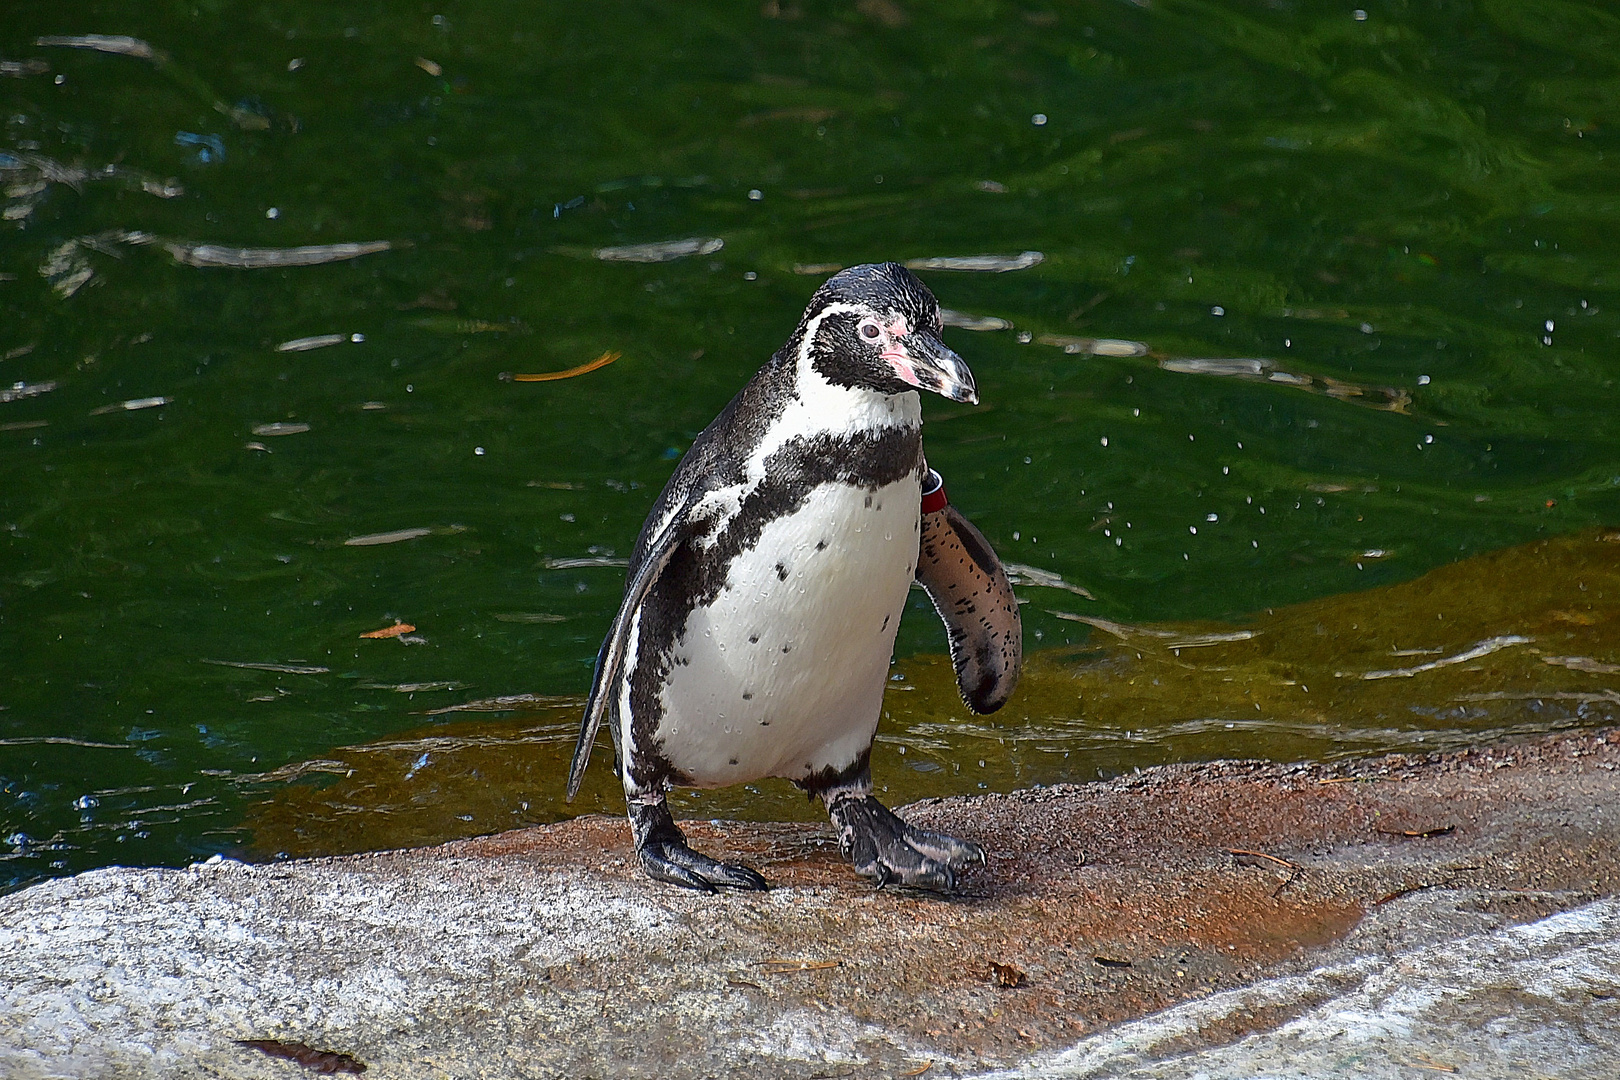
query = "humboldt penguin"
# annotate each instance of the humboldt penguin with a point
(765, 590)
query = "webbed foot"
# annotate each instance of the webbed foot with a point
(661, 846)
(887, 849)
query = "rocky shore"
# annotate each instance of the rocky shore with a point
(1389, 917)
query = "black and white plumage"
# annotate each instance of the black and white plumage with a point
(766, 588)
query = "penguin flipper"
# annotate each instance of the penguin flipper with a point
(969, 588)
(610, 660)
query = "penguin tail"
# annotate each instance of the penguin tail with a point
(590, 724)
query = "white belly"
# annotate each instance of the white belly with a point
(784, 673)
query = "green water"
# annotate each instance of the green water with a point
(1407, 217)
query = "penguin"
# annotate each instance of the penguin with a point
(765, 590)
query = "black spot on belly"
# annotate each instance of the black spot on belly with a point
(748, 697)
(734, 761)
(869, 502)
(821, 545)
(885, 625)
(753, 639)
(787, 648)
(782, 571)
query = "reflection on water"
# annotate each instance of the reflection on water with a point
(1448, 659)
(303, 339)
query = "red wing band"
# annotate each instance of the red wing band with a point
(933, 496)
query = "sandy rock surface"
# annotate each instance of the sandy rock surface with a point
(1400, 916)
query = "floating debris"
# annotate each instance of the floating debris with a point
(1384, 398)
(210, 148)
(584, 562)
(1094, 346)
(506, 703)
(1313, 313)
(132, 405)
(67, 268)
(21, 69)
(963, 321)
(62, 740)
(1119, 630)
(1484, 648)
(666, 251)
(441, 324)
(305, 344)
(280, 429)
(1020, 574)
(245, 115)
(390, 631)
(429, 66)
(1253, 368)
(282, 669)
(552, 376)
(817, 269)
(528, 617)
(373, 539)
(1203, 640)
(17, 391)
(415, 687)
(119, 44)
(1582, 663)
(212, 255)
(991, 264)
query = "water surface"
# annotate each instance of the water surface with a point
(1369, 262)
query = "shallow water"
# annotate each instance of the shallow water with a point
(1369, 262)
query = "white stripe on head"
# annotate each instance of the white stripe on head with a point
(817, 407)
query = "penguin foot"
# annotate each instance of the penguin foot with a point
(887, 849)
(664, 855)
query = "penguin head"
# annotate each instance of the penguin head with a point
(876, 327)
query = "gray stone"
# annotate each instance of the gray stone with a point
(1378, 918)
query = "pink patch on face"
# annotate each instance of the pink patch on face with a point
(902, 368)
(895, 353)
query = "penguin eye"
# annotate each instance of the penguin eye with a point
(870, 331)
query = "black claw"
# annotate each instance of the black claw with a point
(662, 848)
(660, 867)
(888, 850)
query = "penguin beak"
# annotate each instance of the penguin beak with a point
(924, 361)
